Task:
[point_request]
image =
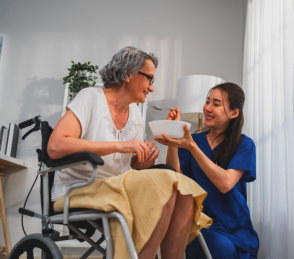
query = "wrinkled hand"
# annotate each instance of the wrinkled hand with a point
(185, 142)
(145, 151)
(174, 114)
(136, 146)
(153, 150)
(149, 161)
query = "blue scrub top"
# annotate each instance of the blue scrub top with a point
(229, 211)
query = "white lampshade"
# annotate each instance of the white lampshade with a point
(191, 95)
(192, 91)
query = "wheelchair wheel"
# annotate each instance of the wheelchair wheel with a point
(34, 245)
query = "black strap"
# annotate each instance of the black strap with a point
(162, 166)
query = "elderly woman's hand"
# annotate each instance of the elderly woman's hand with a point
(185, 142)
(135, 146)
(150, 159)
(144, 150)
(153, 151)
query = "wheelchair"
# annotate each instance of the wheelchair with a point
(81, 223)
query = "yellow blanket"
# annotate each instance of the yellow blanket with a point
(139, 196)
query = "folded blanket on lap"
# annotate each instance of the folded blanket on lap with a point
(139, 196)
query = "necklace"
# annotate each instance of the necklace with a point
(211, 140)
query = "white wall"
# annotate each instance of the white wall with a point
(41, 37)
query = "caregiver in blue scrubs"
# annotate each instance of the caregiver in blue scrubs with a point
(222, 161)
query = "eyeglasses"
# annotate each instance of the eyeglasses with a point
(149, 77)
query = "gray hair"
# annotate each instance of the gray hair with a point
(126, 62)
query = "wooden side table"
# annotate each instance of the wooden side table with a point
(6, 163)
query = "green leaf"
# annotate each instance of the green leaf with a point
(80, 76)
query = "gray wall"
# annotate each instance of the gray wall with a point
(42, 37)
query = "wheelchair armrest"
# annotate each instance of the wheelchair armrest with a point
(69, 161)
(75, 186)
(76, 157)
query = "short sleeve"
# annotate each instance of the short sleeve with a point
(185, 160)
(245, 159)
(82, 105)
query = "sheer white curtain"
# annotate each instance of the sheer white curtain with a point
(269, 115)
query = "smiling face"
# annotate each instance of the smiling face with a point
(139, 84)
(217, 113)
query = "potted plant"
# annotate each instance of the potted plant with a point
(80, 76)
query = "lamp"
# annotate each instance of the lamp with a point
(191, 95)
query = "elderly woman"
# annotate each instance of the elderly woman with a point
(158, 204)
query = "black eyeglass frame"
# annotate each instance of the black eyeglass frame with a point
(149, 77)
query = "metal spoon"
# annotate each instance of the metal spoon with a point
(157, 107)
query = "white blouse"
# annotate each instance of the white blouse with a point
(91, 109)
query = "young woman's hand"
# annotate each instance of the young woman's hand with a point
(185, 142)
(174, 114)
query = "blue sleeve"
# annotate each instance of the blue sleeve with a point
(245, 159)
(184, 158)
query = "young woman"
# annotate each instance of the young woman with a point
(158, 204)
(221, 160)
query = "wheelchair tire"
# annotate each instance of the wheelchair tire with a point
(35, 243)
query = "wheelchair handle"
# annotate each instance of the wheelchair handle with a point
(29, 122)
(37, 121)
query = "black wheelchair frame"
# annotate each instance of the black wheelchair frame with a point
(75, 220)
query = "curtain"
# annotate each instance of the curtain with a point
(269, 115)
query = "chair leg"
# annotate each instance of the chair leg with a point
(204, 246)
(6, 248)
(107, 236)
(125, 229)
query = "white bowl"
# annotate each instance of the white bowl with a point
(173, 129)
